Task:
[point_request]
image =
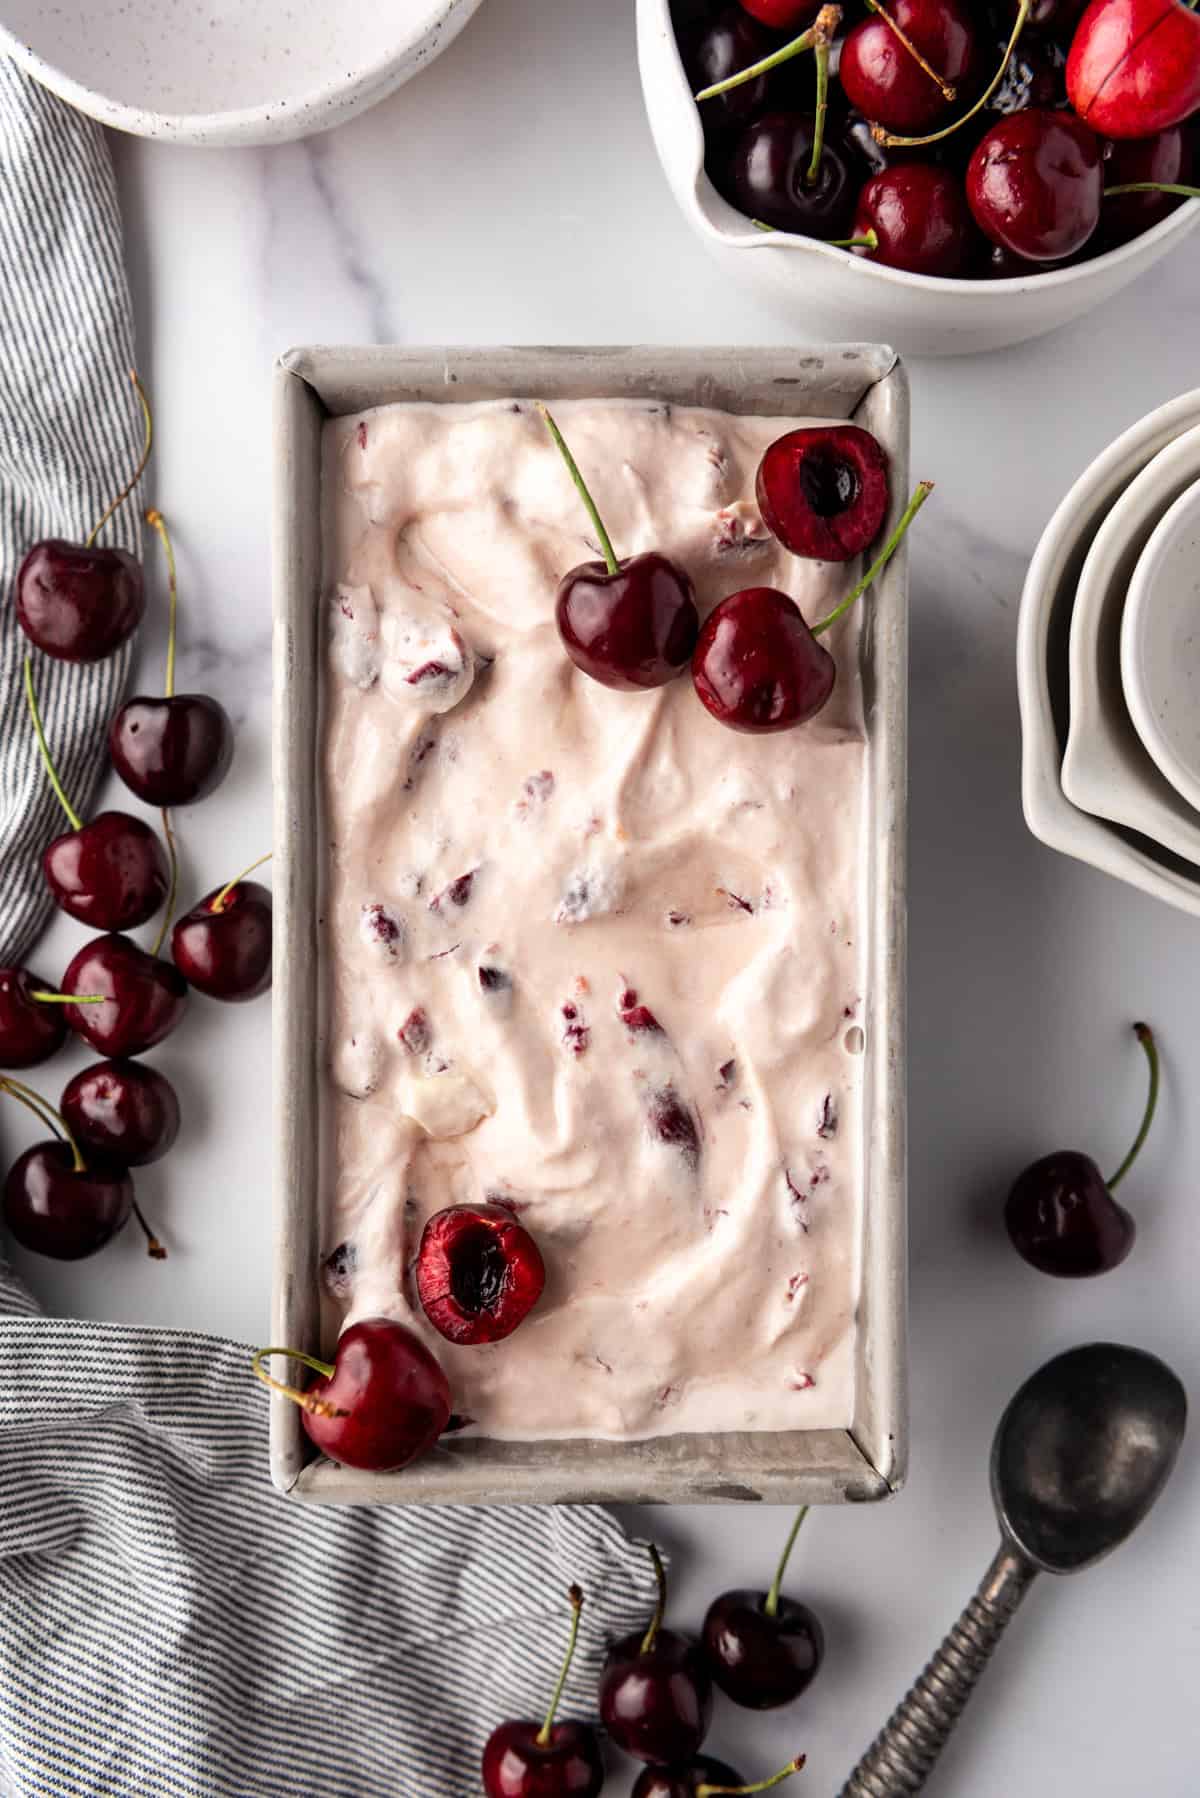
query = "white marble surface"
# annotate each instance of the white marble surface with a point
(511, 195)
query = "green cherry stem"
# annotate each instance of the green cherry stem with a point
(660, 1574)
(69, 998)
(140, 470)
(1145, 1036)
(576, 1600)
(785, 53)
(771, 1607)
(949, 92)
(222, 898)
(920, 495)
(910, 143)
(610, 559)
(307, 1401)
(1155, 187)
(76, 821)
(868, 241)
(155, 518)
(763, 1785)
(45, 1113)
(821, 56)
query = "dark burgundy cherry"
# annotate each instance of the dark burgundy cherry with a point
(769, 172)
(633, 629)
(684, 1782)
(143, 996)
(122, 1110)
(884, 80)
(1061, 1213)
(55, 1207)
(824, 491)
(527, 1759)
(920, 218)
(31, 1031)
(719, 49)
(111, 874)
(171, 751)
(79, 604)
(764, 1649)
(1134, 66)
(223, 945)
(1034, 184)
(382, 1402)
(1167, 156)
(758, 666)
(479, 1273)
(656, 1691)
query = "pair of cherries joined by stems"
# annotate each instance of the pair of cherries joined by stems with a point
(756, 664)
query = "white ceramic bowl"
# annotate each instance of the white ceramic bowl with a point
(1160, 646)
(845, 296)
(1106, 770)
(1042, 685)
(227, 71)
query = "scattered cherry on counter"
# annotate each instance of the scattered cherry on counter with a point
(479, 1273)
(32, 1025)
(546, 1760)
(764, 1649)
(124, 999)
(123, 1110)
(706, 1778)
(656, 1690)
(55, 1203)
(222, 946)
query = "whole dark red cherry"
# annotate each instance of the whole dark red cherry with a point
(718, 49)
(1061, 1214)
(112, 873)
(824, 491)
(632, 629)
(1035, 182)
(479, 1273)
(122, 1110)
(655, 1690)
(381, 1403)
(758, 666)
(223, 945)
(769, 172)
(31, 1030)
(143, 996)
(79, 604)
(884, 80)
(704, 1778)
(171, 751)
(54, 1206)
(1167, 156)
(527, 1759)
(764, 1649)
(920, 218)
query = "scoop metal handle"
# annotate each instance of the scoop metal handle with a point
(903, 1754)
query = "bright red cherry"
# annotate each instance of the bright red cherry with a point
(223, 945)
(764, 1649)
(1134, 66)
(32, 1026)
(628, 624)
(656, 1691)
(705, 1778)
(545, 1760)
(888, 84)
(1035, 183)
(823, 491)
(782, 15)
(479, 1273)
(142, 997)
(920, 218)
(122, 1110)
(1061, 1213)
(382, 1402)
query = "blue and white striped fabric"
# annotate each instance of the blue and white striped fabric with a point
(169, 1626)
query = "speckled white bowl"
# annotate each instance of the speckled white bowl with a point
(843, 296)
(1160, 646)
(227, 71)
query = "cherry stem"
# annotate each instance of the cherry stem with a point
(155, 518)
(576, 1598)
(154, 1247)
(909, 143)
(173, 888)
(947, 90)
(139, 471)
(45, 1113)
(785, 53)
(1145, 1036)
(1155, 187)
(764, 1785)
(75, 820)
(821, 54)
(771, 1606)
(920, 495)
(69, 998)
(222, 898)
(660, 1574)
(610, 559)
(868, 241)
(307, 1401)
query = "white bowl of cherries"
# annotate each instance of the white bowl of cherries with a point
(944, 175)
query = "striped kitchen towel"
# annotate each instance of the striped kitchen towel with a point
(71, 435)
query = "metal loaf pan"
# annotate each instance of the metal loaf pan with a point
(867, 1461)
